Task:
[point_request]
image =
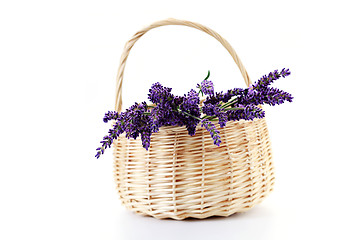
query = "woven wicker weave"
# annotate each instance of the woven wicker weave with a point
(183, 176)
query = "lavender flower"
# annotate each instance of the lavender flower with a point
(210, 127)
(158, 93)
(271, 96)
(274, 96)
(111, 115)
(170, 110)
(265, 81)
(191, 109)
(206, 87)
(133, 122)
(214, 110)
(191, 102)
(248, 113)
(136, 120)
(210, 109)
(221, 97)
(223, 118)
(145, 139)
(257, 94)
(114, 133)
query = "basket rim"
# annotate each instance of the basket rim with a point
(198, 127)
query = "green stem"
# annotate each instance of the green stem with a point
(210, 118)
(208, 75)
(202, 94)
(229, 103)
(213, 117)
(190, 115)
(227, 109)
(206, 117)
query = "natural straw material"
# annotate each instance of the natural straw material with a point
(183, 176)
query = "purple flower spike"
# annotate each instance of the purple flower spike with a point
(210, 127)
(145, 139)
(223, 118)
(265, 81)
(191, 109)
(210, 109)
(207, 87)
(213, 110)
(158, 93)
(111, 115)
(285, 72)
(248, 113)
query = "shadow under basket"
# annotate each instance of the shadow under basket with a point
(183, 176)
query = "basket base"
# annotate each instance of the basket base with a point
(198, 216)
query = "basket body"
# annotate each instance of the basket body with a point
(183, 176)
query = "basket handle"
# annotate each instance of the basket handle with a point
(129, 44)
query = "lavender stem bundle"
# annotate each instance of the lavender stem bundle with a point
(142, 119)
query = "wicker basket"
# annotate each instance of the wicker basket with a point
(183, 176)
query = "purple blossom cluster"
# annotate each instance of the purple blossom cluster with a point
(206, 87)
(167, 109)
(211, 128)
(134, 122)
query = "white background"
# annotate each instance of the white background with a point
(58, 61)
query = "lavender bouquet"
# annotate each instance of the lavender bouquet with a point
(143, 119)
